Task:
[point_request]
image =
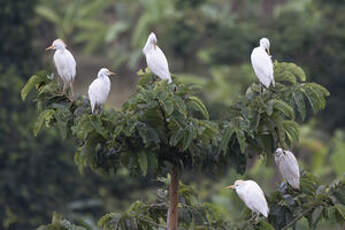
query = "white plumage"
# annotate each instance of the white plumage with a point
(99, 89)
(155, 58)
(65, 64)
(252, 195)
(288, 166)
(262, 63)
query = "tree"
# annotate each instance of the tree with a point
(163, 128)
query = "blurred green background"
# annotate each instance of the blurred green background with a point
(207, 42)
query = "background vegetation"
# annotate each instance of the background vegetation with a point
(207, 42)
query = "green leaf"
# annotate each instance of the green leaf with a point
(153, 161)
(283, 107)
(30, 84)
(264, 225)
(199, 106)
(180, 105)
(241, 138)
(176, 137)
(142, 159)
(324, 91)
(298, 72)
(313, 98)
(292, 130)
(315, 217)
(96, 123)
(44, 118)
(287, 77)
(168, 107)
(269, 108)
(229, 131)
(340, 211)
(109, 219)
(300, 104)
(187, 137)
(317, 94)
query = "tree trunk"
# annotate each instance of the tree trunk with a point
(173, 201)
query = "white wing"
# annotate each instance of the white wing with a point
(98, 92)
(289, 169)
(65, 65)
(254, 198)
(158, 63)
(263, 66)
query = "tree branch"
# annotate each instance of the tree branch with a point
(299, 217)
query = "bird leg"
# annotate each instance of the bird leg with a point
(253, 217)
(60, 81)
(95, 111)
(72, 90)
(64, 89)
(257, 218)
(101, 107)
(98, 109)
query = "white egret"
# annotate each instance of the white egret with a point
(99, 89)
(288, 166)
(262, 63)
(155, 58)
(65, 64)
(252, 195)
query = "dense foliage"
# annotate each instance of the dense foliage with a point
(164, 126)
(315, 202)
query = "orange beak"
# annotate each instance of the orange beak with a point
(230, 187)
(112, 73)
(49, 48)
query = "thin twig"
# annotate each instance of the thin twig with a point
(298, 217)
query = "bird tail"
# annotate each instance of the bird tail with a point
(92, 106)
(295, 183)
(273, 81)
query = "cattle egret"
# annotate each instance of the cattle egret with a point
(262, 63)
(99, 89)
(252, 195)
(155, 58)
(288, 166)
(65, 64)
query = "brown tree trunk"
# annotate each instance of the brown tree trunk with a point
(173, 201)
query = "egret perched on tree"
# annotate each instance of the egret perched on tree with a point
(262, 63)
(252, 195)
(155, 58)
(65, 64)
(288, 166)
(99, 89)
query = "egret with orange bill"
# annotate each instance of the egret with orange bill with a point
(65, 64)
(252, 195)
(99, 89)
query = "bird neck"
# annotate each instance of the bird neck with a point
(262, 47)
(102, 76)
(148, 46)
